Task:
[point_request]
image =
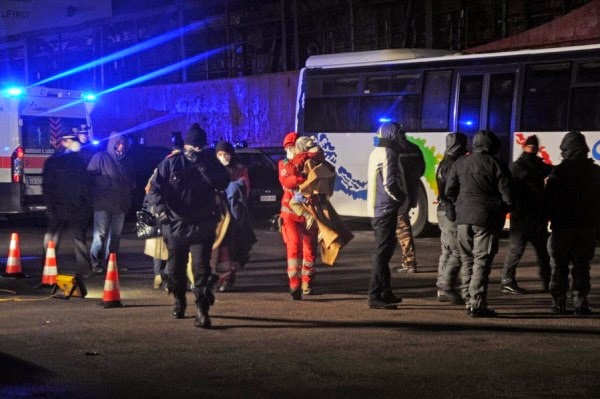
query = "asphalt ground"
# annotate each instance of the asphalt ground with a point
(264, 345)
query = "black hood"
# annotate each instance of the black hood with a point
(573, 146)
(486, 142)
(456, 145)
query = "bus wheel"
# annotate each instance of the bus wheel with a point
(418, 215)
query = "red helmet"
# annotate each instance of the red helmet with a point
(290, 139)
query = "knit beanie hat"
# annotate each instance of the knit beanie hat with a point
(290, 139)
(224, 146)
(196, 136)
(532, 140)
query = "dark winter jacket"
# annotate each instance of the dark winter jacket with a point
(573, 188)
(529, 173)
(113, 178)
(456, 147)
(184, 187)
(385, 186)
(411, 166)
(479, 184)
(66, 184)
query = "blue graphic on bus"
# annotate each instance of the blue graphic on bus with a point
(344, 181)
(595, 152)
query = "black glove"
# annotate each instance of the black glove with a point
(450, 213)
(162, 218)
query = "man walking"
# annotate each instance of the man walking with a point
(66, 193)
(449, 262)
(479, 186)
(572, 194)
(385, 199)
(412, 167)
(527, 221)
(184, 196)
(113, 181)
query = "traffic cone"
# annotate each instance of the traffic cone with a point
(13, 263)
(50, 269)
(112, 295)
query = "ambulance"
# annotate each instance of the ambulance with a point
(32, 121)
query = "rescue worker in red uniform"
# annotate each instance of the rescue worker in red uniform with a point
(300, 241)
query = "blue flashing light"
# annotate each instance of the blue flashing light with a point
(6, 148)
(13, 91)
(89, 97)
(95, 142)
(385, 119)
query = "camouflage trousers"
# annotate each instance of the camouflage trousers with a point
(406, 241)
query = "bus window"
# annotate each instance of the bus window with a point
(436, 100)
(588, 72)
(337, 114)
(403, 109)
(469, 104)
(585, 108)
(409, 83)
(341, 86)
(378, 84)
(545, 97)
(499, 113)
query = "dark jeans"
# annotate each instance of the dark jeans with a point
(76, 222)
(520, 233)
(449, 262)
(159, 266)
(478, 246)
(577, 246)
(385, 243)
(107, 236)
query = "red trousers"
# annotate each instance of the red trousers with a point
(301, 247)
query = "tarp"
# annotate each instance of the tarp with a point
(580, 26)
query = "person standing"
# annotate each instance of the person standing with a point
(234, 250)
(300, 240)
(184, 196)
(67, 197)
(385, 200)
(412, 168)
(527, 221)
(449, 262)
(479, 186)
(572, 193)
(113, 181)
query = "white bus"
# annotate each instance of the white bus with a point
(31, 120)
(343, 98)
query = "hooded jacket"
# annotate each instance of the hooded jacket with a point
(411, 166)
(456, 147)
(385, 189)
(479, 184)
(573, 187)
(529, 173)
(113, 177)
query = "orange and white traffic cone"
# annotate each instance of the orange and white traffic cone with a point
(13, 263)
(50, 269)
(112, 294)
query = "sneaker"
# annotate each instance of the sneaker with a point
(513, 288)
(296, 294)
(97, 270)
(449, 296)
(407, 269)
(482, 312)
(157, 281)
(390, 299)
(558, 309)
(306, 289)
(381, 304)
(583, 311)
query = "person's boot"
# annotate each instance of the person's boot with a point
(202, 307)
(180, 305)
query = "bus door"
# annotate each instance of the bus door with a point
(486, 100)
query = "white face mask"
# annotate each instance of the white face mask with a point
(289, 153)
(224, 157)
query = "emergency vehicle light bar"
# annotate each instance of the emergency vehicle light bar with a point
(13, 91)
